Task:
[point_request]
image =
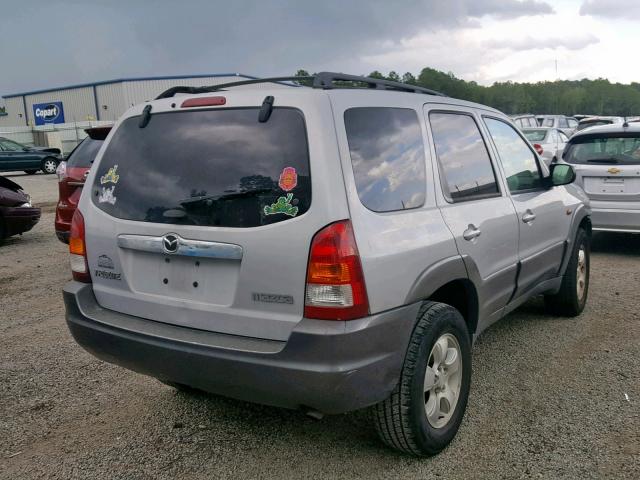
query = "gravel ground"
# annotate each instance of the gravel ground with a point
(551, 397)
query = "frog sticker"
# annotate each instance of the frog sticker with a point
(282, 205)
(111, 176)
(106, 196)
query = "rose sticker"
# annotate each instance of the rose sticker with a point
(288, 179)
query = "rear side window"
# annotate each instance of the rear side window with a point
(519, 162)
(208, 168)
(387, 156)
(466, 168)
(85, 153)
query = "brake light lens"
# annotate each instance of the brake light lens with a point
(204, 102)
(78, 249)
(538, 148)
(335, 283)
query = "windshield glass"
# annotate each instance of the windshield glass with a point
(84, 154)
(207, 167)
(535, 135)
(615, 149)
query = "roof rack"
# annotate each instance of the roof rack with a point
(322, 80)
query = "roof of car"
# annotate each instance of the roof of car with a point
(606, 129)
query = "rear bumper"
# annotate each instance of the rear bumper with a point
(19, 219)
(332, 367)
(615, 219)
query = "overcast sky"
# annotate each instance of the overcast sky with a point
(54, 43)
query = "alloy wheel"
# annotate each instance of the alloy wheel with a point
(442, 380)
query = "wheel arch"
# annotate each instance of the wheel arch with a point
(447, 282)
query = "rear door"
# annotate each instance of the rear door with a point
(475, 206)
(543, 214)
(204, 217)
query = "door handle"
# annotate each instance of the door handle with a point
(528, 217)
(471, 233)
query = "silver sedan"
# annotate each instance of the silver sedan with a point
(547, 142)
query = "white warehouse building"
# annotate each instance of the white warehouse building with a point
(100, 101)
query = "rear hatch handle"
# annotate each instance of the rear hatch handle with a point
(174, 244)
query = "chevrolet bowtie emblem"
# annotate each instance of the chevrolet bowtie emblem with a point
(614, 170)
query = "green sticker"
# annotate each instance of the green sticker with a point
(283, 205)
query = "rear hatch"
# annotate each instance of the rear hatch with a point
(204, 217)
(75, 173)
(607, 167)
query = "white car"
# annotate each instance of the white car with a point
(547, 142)
(567, 124)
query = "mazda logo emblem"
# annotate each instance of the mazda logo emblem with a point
(170, 243)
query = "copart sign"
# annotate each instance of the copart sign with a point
(45, 113)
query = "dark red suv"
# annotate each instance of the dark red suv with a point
(71, 176)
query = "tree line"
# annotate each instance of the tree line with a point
(564, 97)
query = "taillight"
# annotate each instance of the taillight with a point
(538, 148)
(61, 171)
(204, 102)
(78, 249)
(335, 282)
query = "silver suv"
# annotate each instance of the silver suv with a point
(607, 164)
(320, 248)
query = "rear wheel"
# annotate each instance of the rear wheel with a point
(572, 297)
(425, 410)
(49, 165)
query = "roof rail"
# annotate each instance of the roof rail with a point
(322, 80)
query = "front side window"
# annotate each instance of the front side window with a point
(547, 122)
(9, 146)
(519, 162)
(387, 157)
(572, 123)
(464, 161)
(212, 168)
(562, 123)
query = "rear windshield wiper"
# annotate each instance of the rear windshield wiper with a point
(225, 196)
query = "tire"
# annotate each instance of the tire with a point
(31, 172)
(402, 421)
(49, 165)
(574, 290)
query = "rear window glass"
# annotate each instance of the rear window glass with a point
(208, 168)
(85, 153)
(387, 155)
(535, 135)
(605, 150)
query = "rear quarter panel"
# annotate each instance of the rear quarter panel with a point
(396, 248)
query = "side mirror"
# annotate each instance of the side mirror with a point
(561, 174)
(26, 149)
